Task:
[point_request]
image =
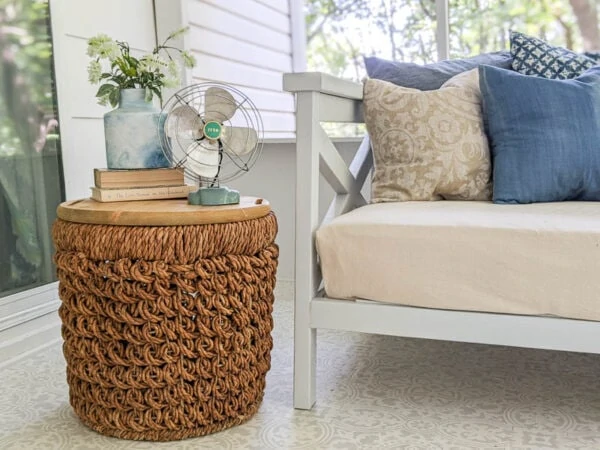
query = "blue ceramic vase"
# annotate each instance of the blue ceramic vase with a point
(132, 133)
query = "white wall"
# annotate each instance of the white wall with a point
(81, 127)
(245, 43)
(274, 177)
(248, 44)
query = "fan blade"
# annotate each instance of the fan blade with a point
(203, 159)
(178, 149)
(184, 122)
(219, 105)
(239, 140)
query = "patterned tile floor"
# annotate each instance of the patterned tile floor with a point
(374, 392)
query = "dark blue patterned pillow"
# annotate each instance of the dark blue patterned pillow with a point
(593, 55)
(532, 56)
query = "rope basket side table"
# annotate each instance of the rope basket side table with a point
(166, 314)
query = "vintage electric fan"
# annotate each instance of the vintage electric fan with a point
(215, 133)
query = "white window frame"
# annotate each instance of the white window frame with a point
(36, 302)
(298, 26)
(442, 36)
(27, 305)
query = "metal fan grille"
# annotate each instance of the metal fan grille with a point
(185, 127)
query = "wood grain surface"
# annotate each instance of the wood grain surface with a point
(160, 212)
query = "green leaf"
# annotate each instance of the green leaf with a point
(156, 90)
(113, 97)
(105, 89)
(148, 95)
(133, 62)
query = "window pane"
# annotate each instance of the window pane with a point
(340, 32)
(479, 26)
(30, 171)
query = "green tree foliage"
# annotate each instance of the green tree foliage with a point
(339, 32)
(26, 84)
(479, 26)
(28, 130)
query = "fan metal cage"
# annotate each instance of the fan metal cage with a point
(213, 131)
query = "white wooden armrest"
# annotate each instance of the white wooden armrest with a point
(323, 83)
(337, 100)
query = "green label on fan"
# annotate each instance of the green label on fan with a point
(212, 130)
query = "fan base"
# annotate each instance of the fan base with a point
(214, 196)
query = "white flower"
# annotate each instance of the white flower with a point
(188, 59)
(177, 33)
(151, 63)
(94, 43)
(173, 69)
(170, 82)
(151, 72)
(94, 72)
(110, 51)
(102, 46)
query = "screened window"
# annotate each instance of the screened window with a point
(340, 32)
(30, 172)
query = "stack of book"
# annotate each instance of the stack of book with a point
(139, 184)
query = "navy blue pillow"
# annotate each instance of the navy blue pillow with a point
(429, 77)
(544, 135)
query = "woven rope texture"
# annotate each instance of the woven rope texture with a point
(167, 330)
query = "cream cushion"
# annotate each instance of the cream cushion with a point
(532, 259)
(469, 81)
(428, 145)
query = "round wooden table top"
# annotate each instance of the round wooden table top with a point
(160, 212)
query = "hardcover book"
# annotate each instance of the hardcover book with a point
(138, 178)
(151, 193)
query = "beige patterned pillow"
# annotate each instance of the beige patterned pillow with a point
(428, 145)
(467, 80)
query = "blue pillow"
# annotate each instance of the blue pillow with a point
(544, 135)
(429, 77)
(593, 55)
(532, 56)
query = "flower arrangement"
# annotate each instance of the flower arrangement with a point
(151, 72)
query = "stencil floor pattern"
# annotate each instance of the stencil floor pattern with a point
(374, 392)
